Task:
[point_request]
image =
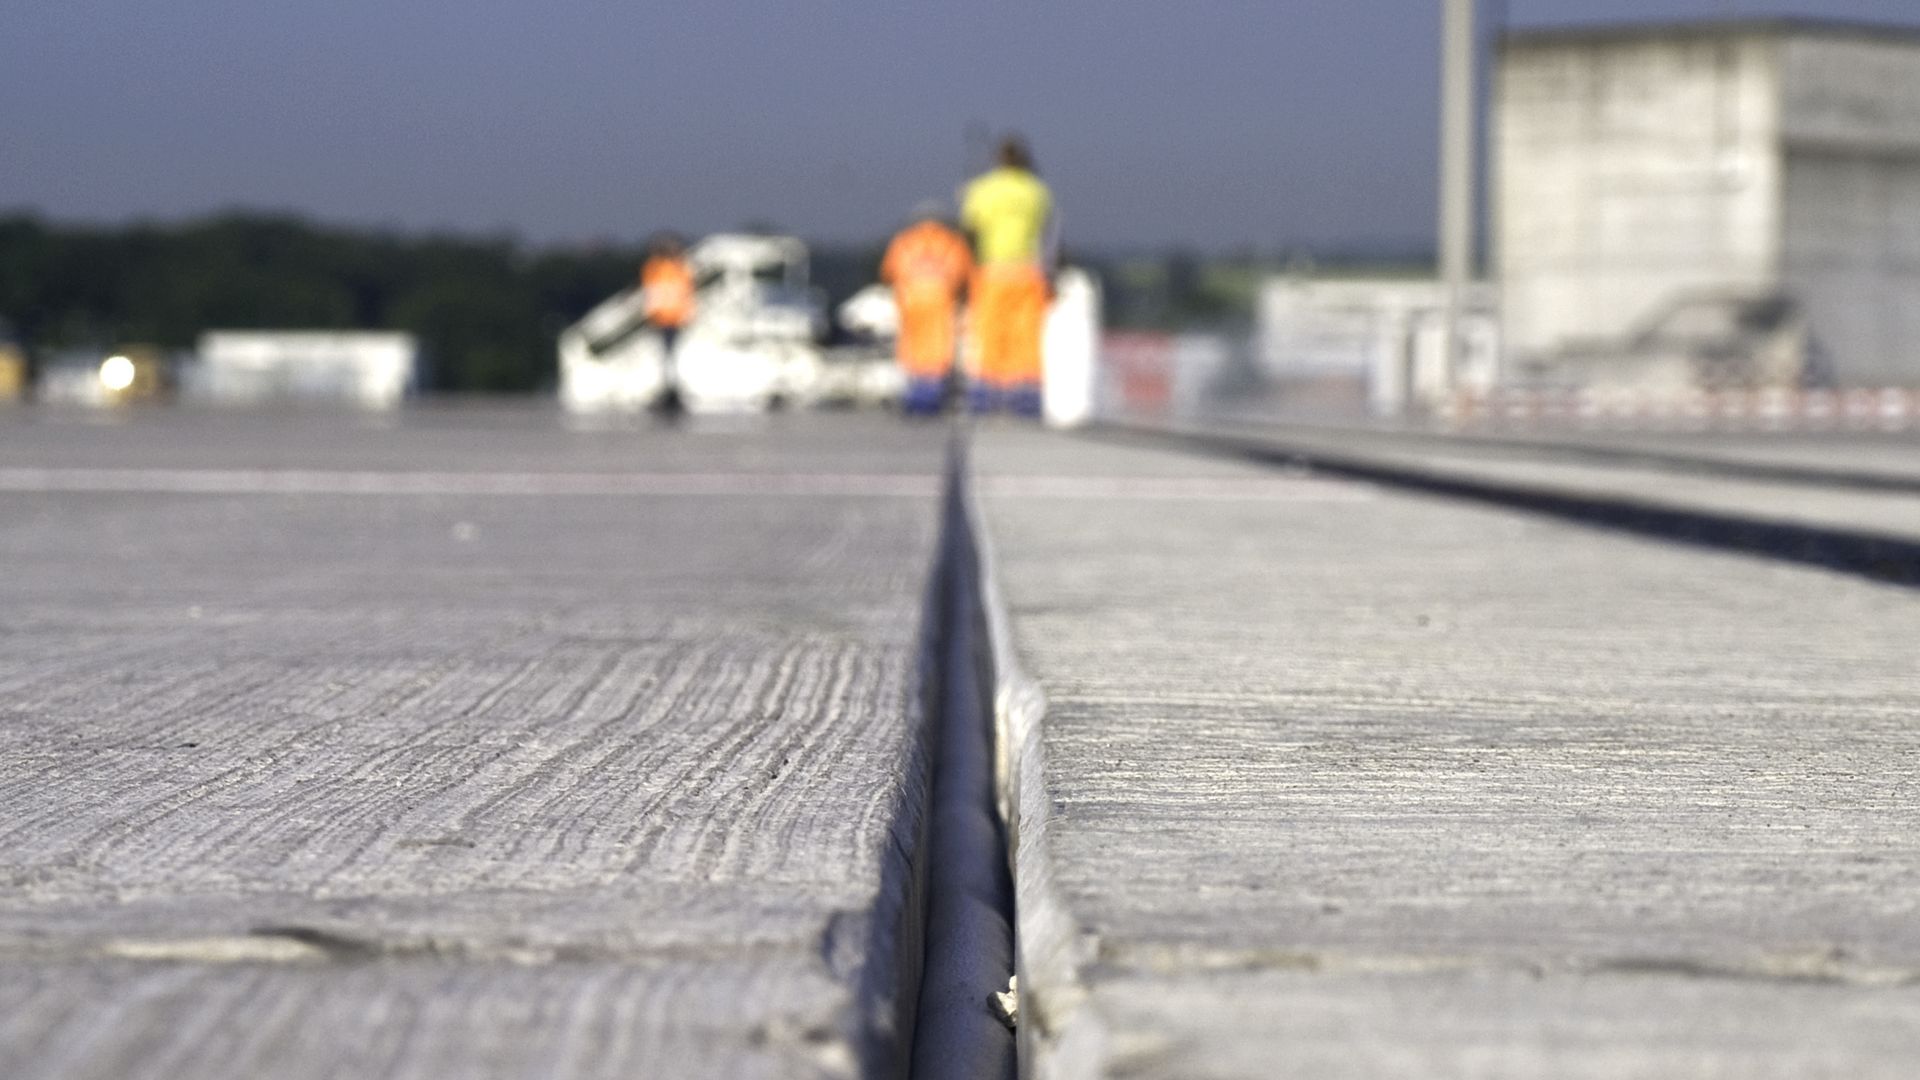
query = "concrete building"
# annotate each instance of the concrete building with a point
(1383, 330)
(1640, 170)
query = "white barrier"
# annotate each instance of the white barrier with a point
(372, 370)
(1070, 350)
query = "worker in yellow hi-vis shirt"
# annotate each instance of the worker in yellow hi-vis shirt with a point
(1007, 211)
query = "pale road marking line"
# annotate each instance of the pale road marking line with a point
(321, 482)
(876, 485)
(1208, 489)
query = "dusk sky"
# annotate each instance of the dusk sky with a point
(1215, 123)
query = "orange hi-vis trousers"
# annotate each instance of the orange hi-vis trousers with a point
(925, 345)
(1009, 312)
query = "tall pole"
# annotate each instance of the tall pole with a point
(1456, 178)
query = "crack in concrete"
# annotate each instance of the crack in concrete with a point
(1814, 966)
(299, 944)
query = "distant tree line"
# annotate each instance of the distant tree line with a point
(485, 310)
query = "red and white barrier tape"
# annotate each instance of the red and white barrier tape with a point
(1889, 408)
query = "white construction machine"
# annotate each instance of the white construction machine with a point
(863, 371)
(752, 344)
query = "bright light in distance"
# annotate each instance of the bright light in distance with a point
(116, 373)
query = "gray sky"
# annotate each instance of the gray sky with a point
(1208, 122)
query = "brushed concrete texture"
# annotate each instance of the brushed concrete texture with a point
(765, 1015)
(1389, 785)
(1500, 1024)
(446, 784)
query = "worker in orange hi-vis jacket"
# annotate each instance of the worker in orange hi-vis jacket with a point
(927, 265)
(1008, 212)
(666, 296)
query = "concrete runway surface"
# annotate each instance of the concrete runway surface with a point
(1361, 783)
(476, 742)
(470, 745)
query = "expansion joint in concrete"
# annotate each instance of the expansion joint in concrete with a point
(959, 1030)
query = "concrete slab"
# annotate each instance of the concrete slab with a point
(1874, 455)
(1891, 457)
(1893, 514)
(465, 778)
(1374, 784)
(480, 436)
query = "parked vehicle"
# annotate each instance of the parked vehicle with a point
(753, 343)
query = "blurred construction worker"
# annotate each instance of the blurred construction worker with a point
(927, 265)
(1007, 212)
(666, 293)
